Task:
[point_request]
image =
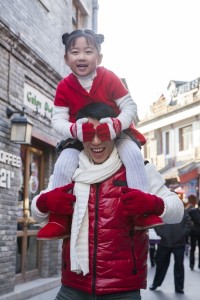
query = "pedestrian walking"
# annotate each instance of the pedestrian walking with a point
(191, 203)
(172, 241)
(153, 245)
(195, 235)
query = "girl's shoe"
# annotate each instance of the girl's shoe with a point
(146, 222)
(58, 227)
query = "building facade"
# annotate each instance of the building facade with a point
(173, 136)
(31, 65)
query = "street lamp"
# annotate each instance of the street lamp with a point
(21, 127)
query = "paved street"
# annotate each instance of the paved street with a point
(165, 292)
(50, 295)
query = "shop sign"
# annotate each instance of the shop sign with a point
(6, 175)
(37, 101)
(186, 87)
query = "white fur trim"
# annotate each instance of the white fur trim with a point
(110, 126)
(79, 129)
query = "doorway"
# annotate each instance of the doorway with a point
(28, 247)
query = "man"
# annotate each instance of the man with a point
(191, 203)
(173, 239)
(194, 213)
(105, 257)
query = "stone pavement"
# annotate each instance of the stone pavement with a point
(50, 295)
(164, 292)
(46, 289)
(29, 289)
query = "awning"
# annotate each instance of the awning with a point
(189, 172)
(171, 173)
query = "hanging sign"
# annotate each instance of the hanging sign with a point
(37, 101)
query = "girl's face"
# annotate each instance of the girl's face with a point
(83, 57)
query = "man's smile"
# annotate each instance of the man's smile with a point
(98, 150)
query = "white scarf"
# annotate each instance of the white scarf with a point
(87, 173)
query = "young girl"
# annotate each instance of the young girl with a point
(87, 83)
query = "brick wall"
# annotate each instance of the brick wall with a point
(18, 66)
(40, 28)
(31, 52)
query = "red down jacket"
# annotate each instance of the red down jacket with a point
(117, 253)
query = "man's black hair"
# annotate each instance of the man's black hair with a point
(97, 110)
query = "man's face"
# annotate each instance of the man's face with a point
(97, 150)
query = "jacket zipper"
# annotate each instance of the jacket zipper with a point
(131, 234)
(95, 239)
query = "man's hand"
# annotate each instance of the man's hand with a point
(137, 202)
(57, 201)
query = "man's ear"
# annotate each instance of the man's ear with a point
(100, 59)
(66, 59)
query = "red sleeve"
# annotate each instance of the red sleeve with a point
(60, 98)
(116, 86)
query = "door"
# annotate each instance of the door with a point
(28, 247)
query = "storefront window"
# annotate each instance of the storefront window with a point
(34, 176)
(32, 254)
(185, 138)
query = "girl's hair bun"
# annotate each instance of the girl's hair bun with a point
(65, 38)
(100, 38)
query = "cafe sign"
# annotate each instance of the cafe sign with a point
(6, 176)
(37, 101)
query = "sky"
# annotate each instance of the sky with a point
(149, 43)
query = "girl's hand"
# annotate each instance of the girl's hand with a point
(82, 130)
(109, 129)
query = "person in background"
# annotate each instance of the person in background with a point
(172, 241)
(105, 257)
(195, 235)
(191, 203)
(153, 245)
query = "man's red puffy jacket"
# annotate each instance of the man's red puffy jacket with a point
(117, 253)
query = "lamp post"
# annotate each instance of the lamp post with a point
(21, 127)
